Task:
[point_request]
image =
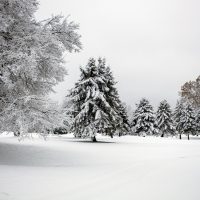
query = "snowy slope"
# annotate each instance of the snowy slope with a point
(64, 168)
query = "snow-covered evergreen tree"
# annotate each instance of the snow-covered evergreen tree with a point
(95, 102)
(68, 112)
(129, 111)
(164, 121)
(188, 125)
(178, 112)
(143, 118)
(31, 55)
(124, 126)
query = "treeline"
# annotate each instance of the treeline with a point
(185, 119)
(93, 106)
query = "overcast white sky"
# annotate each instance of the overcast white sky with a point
(152, 46)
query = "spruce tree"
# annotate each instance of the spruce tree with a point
(143, 118)
(164, 122)
(95, 102)
(188, 125)
(178, 112)
(123, 126)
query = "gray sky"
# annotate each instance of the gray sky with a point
(152, 46)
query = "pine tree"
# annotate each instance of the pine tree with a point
(129, 111)
(134, 119)
(124, 126)
(164, 121)
(67, 110)
(178, 112)
(95, 102)
(188, 125)
(143, 118)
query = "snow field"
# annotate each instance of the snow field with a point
(130, 167)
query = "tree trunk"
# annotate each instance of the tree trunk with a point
(162, 135)
(188, 136)
(17, 134)
(93, 139)
(180, 136)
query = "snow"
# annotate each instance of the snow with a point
(129, 167)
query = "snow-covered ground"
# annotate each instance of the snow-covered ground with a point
(126, 168)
